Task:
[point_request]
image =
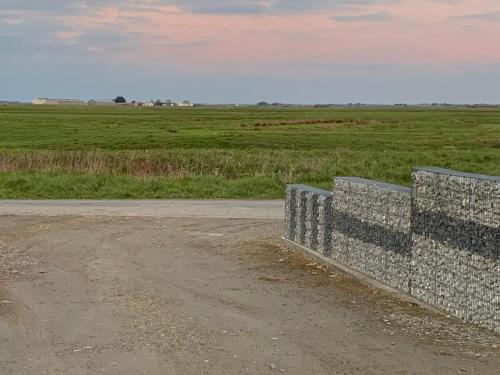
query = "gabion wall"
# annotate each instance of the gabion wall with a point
(371, 229)
(439, 241)
(308, 217)
(456, 239)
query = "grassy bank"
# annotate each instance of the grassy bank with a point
(69, 152)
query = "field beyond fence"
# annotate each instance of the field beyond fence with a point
(116, 152)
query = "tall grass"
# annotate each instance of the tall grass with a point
(285, 166)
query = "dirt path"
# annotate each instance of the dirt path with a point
(108, 295)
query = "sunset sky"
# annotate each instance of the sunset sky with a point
(244, 51)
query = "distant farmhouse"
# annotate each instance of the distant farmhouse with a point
(141, 104)
(185, 103)
(47, 101)
(168, 103)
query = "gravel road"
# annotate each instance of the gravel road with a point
(100, 292)
(229, 209)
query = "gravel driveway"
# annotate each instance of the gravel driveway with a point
(111, 291)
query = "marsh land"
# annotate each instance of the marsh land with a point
(242, 152)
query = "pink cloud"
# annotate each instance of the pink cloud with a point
(416, 32)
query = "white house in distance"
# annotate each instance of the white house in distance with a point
(185, 103)
(47, 101)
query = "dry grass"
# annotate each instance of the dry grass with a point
(138, 164)
(491, 143)
(159, 163)
(312, 121)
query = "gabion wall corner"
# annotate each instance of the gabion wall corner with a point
(438, 241)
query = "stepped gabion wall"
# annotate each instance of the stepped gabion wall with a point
(308, 217)
(439, 241)
(456, 238)
(371, 229)
(325, 221)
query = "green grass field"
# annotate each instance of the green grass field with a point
(126, 152)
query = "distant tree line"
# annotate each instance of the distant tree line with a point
(264, 103)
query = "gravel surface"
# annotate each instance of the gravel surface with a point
(242, 209)
(118, 295)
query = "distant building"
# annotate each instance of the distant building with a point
(47, 101)
(101, 102)
(39, 101)
(148, 104)
(185, 103)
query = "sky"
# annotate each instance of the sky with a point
(245, 51)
